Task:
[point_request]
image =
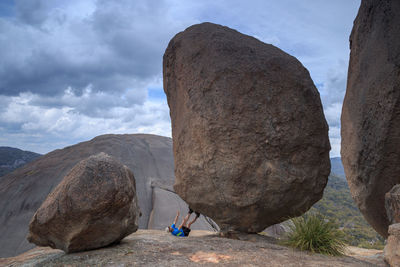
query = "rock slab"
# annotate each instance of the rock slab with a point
(250, 139)
(392, 248)
(392, 204)
(94, 205)
(201, 248)
(370, 119)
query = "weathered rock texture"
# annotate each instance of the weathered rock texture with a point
(371, 109)
(392, 248)
(392, 204)
(201, 248)
(148, 156)
(95, 205)
(249, 136)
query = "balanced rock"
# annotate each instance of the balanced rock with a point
(94, 205)
(392, 204)
(371, 110)
(250, 139)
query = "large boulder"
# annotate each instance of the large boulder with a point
(95, 205)
(250, 139)
(371, 110)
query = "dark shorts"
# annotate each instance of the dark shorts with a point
(191, 211)
(186, 230)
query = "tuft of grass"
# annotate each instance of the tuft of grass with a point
(312, 232)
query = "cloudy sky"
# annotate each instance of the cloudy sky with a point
(74, 69)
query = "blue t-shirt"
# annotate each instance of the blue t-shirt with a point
(176, 231)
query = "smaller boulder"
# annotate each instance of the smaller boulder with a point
(392, 248)
(94, 205)
(392, 204)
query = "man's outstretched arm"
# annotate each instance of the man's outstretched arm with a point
(176, 217)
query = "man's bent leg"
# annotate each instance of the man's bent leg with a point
(185, 220)
(190, 224)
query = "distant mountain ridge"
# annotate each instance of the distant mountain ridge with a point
(12, 158)
(337, 167)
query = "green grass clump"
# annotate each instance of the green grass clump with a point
(338, 206)
(314, 233)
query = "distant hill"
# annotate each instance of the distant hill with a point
(338, 206)
(337, 167)
(12, 158)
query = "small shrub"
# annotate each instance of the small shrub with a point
(313, 233)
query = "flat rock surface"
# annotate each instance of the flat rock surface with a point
(202, 248)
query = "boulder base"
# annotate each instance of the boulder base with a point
(93, 206)
(250, 139)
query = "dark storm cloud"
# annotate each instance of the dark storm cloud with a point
(32, 12)
(116, 47)
(44, 72)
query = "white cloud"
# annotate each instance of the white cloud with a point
(63, 125)
(332, 114)
(334, 137)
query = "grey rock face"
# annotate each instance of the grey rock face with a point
(94, 205)
(165, 205)
(249, 136)
(371, 109)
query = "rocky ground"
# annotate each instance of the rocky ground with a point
(202, 248)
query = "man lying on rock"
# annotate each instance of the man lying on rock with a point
(184, 228)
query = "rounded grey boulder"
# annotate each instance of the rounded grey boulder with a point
(250, 139)
(94, 205)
